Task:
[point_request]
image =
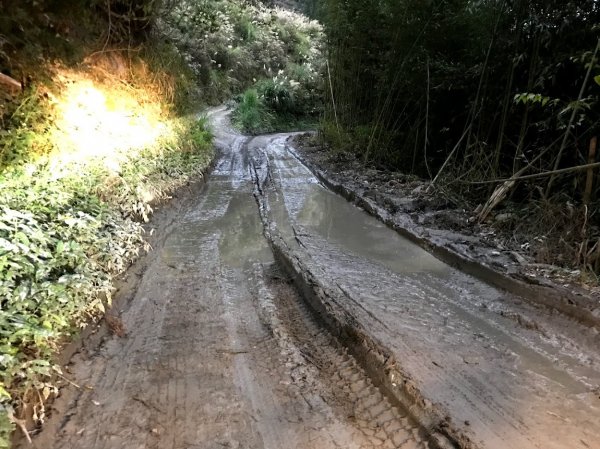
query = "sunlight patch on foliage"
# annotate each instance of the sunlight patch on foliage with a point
(83, 159)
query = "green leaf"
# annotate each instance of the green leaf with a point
(597, 79)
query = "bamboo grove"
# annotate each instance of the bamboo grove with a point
(472, 94)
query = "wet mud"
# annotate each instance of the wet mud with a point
(275, 314)
(204, 361)
(476, 365)
(434, 223)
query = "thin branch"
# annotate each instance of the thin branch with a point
(450, 155)
(536, 175)
(425, 140)
(572, 118)
(10, 82)
(337, 124)
(109, 26)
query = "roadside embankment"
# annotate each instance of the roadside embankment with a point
(433, 223)
(86, 156)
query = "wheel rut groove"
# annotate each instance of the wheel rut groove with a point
(347, 386)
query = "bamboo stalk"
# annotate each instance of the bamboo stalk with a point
(337, 123)
(450, 156)
(589, 182)
(426, 139)
(572, 118)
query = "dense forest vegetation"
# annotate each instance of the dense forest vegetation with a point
(471, 94)
(269, 60)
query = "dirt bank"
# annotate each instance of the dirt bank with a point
(476, 366)
(436, 224)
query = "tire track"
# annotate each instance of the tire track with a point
(341, 381)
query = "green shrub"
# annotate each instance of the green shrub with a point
(277, 96)
(63, 238)
(231, 44)
(251, 115)
(245, 28)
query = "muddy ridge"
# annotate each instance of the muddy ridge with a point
(433, 223)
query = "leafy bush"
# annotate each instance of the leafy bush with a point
(277, 96)
(63, 240)
(97, 138)
(75, 182)
(279, 104)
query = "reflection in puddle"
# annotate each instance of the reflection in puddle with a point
(241, 233)
(335, 219)
(315, 208)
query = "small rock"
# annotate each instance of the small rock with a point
(502, 218)
(469, 360)
(518, 258)
(418, 190)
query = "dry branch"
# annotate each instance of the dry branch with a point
(516, 176)
(11, 83)
(500, 192)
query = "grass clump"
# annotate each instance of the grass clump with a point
(251, 114)
(276, 104)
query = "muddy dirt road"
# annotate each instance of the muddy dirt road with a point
(488, 369)
(222, 351)
(219, 351)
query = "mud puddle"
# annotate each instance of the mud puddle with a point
(508, 373)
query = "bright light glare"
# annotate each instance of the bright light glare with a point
(110, 123)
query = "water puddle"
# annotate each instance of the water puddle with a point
(425, 286)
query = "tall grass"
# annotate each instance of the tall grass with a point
(251, 115)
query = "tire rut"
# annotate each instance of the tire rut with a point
(345, 386)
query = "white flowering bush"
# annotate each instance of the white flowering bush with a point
(233, 46)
